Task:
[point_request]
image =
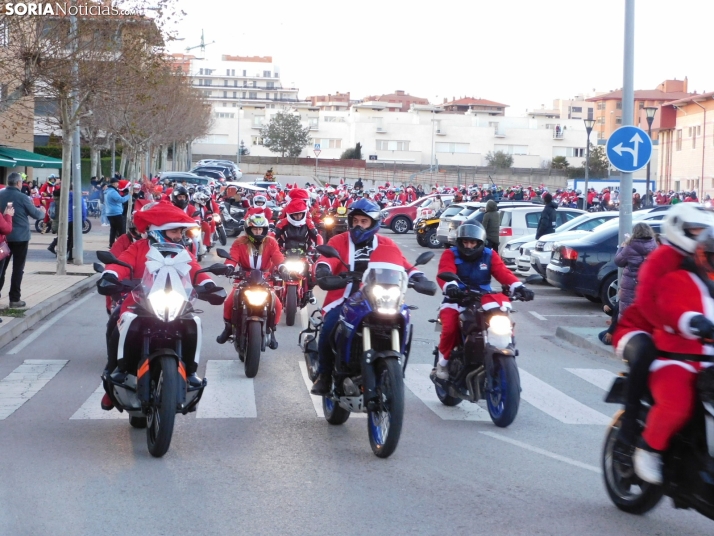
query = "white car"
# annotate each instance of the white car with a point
(425, 210)
(522, 221)
(510, 253)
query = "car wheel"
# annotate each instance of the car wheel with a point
(608, 290)
(594, 299)
(400, 225)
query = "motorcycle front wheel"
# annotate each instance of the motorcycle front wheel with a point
(291, 305)
(252, 351)
(162, 413)
(626, 490)
(222, 237)
(505, 395)
(86, 226)
(385, 424)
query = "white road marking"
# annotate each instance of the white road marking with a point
(537, 315)
(229, 394)
(39, 331)
(303, 317)
(418, 382)
(91, 409)
(598, 377)
(25, 381)
(557, 404)
(317, 400)
(543, 452)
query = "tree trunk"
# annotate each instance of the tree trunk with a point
(122, 162)
(63, 208)
(94, 159)
(164, 157)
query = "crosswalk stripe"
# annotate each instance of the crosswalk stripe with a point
(229, 394)
(25, 381)
(556, 403)
(598, 377)
(317, 400)
(91, 409)
(418, 382)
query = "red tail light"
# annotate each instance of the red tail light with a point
(505, 231)
(568, 253)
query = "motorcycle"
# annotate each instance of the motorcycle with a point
(688, 465)
(333, 223)
(483, 366)
(371, 342)
(44, 227)
(232, 219)
(155, 338)
(252, 310)
(294, 291)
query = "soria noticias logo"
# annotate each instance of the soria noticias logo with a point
(62, 8)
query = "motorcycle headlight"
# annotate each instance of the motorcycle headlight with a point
(167, 304)
(386, 299)
(194, 232)
(295, 266)
(500, 325)
(256, 296)
(216, 218)
(329, 221)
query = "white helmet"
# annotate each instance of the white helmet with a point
(297, 222)
(680, 220)
(259, 199)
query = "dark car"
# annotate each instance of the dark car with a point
(228, 172)
(217, 175)
(188, 178)
(586, 265)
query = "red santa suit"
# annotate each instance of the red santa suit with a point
(681, 296)
(329, 204)
(266, 258)
(449, 310)
(346, 248)
(402, 198)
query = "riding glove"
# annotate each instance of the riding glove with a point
(702, 327)
(525, 293)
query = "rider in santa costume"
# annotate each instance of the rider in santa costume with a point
(163, 223)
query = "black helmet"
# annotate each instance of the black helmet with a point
(471, 231)
(180, 203)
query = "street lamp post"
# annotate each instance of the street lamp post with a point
(588, 128)
(650, 111)
(238, 138)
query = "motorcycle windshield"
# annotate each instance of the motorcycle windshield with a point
(385, 288)
(166, 288)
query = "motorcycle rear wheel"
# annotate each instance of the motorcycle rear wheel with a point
(222, 238)
(137, 422)
(334, 413)
(385, 426)
(620, 478)
(162, 413)
(290, 305)
(445, 398)
(505, 395)
(253, 346)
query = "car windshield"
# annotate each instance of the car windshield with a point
(454, 209)
(467, 211)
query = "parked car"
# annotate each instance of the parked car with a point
(400, 219)
(216, 175)
(227, 171)
(188, 178)
(585, 265)
(237, 173)
(522, 221)
(470, 215)
(442, 231)
(265, 184)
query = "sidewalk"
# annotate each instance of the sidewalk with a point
(586, 338)
(42, 290)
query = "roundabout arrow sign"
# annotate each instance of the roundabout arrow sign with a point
(629, 149)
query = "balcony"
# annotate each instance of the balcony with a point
(381, 130)
(440, 132)
(557, 134)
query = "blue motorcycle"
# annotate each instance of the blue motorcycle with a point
(371, 343)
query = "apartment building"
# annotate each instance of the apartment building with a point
(399, 101)
(576, 108)
(608, 107)
(339, 102)
(470, 104)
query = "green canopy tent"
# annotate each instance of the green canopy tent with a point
(7, 162)
(20, 157)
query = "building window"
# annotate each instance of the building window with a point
(601, 105)
(392, 145)
(207, 82)
(641, 105)
(224, 115)
(255, 84)
(601, 120)
(244, 94)
(235, 83)
(207, 93)
(577, 109)
(258, 121)
(694, 138)
(590, 113)
(225, 82)
(235, 94)
(200, 81)
(252, 94)
(225, 94)
(200, 71)
(244, 71)
(512, 149)
(333, 119)
(679, 140)
(577, 152)
(327, 143)
(266, 74)
(618, 120)
(443, 147)
(618, 105)
(256, 140)
(270, 85)
(228, 72)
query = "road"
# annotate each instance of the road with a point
(257, 459)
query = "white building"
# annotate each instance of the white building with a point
(418, 137)
(576, 108)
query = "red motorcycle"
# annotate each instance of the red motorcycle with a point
(295, 293)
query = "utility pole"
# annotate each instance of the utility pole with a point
(628, 110)
(77, 220)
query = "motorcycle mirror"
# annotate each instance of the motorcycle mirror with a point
(99, 268)
(218, 268)
(424, 258)
(107, 258)
(328, 251)
(223, 254)
(448, 277)
(214, 298)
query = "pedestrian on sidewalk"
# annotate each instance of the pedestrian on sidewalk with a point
(546, 223)
(19, 239)
(491, 223)
(114, 205)
(630, 256)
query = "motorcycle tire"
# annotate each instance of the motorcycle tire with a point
(385, 427)
(86, 226)
(222, 237)
(620, 478)
(164, 387)
(445, 398)
(137, 422)
(253, 346)
(505, 396)
(291, 305)
(40, 225)
(334, 413)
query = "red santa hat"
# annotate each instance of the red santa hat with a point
(254, 210)
(295, 206)
(299, 193)
(386, 258)
(123, 184)
(161, 216)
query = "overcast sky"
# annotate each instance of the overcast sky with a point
(523, 53)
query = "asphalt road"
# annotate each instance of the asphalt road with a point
(257, 459)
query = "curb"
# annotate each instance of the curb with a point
(581, 341)
(41, 310)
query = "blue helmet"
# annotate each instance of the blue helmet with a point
(364, 207)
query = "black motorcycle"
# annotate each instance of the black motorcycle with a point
(232, 219)
(688, 465)
(158, 336)
(252, 315)
(483, 366)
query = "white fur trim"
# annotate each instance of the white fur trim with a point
(449, 284)
(111, 272)
(661, 363)
(386, 266)
(204, 282)
(167, 226)
(620, 350)
(683, 325)
(514, 286)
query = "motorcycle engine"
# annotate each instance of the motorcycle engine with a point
(456, 365)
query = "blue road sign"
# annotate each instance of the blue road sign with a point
(629, 149)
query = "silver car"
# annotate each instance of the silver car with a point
(442, 232)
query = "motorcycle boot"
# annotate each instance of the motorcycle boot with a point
(273, 343)
(648, 465)
(442, 371)
(225, 334)
(322, 384)
(193, 380)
